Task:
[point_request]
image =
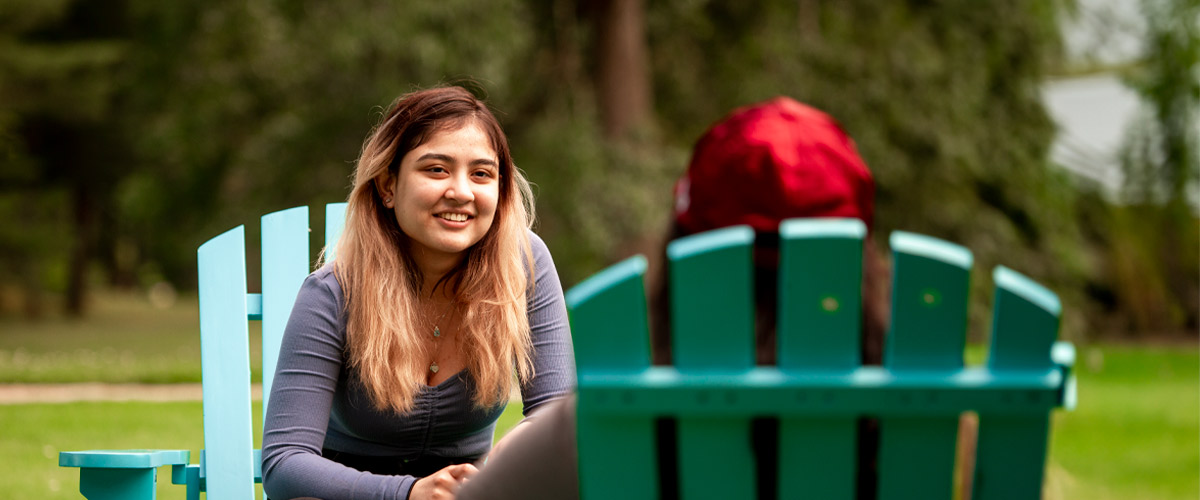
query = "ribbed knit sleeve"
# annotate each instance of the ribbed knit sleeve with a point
(306, 376)
(553, 355)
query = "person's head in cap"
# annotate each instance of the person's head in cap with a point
(769, 162)
(762, 164)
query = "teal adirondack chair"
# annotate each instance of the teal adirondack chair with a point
(229, 466)
(819, 387)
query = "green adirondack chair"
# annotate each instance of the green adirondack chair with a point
(819, 387)
(229, 466)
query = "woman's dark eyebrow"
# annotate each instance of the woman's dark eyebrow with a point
(449, 159)
(435, 156)
(484, 162)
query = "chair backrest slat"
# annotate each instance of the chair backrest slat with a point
(285, 263)
(609, 330)
(1025, 322)
(712, 317)
(820, 316)
(225, 360)
(929, 303)
(820, 294)
(335, 221)
(712, 301)
(1012, 448)
(927, 334)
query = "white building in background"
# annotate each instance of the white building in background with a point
(1094, 112)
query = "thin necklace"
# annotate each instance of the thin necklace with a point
(437, 338)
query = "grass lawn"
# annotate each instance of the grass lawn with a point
(1135, 435)
(35, 433)
(1136, 432)
(123, 339)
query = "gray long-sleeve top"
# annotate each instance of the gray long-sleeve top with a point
(314, 405)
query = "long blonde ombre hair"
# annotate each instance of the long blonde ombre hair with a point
(387, 343)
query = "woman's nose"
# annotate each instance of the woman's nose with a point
(460, 189)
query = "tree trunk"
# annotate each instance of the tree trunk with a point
(86, 219)
(117, 256)
(622, 69)
(809, 20)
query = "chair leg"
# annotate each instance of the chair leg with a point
(193, 482)
(116, 484)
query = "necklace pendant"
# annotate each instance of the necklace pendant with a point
(436, 333)
(433, 367)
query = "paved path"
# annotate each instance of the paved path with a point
(93, 391)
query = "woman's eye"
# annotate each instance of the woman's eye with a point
(483, 174)
(436, 169)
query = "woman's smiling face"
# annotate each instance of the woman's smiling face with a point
(446, 191)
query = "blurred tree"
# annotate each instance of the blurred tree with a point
(622, 71)
(162, 122)
(181, 118)
(941, 97)
(62, 157)
(262, 106)
(1163, 151)
(1155, 248)
(585, 131)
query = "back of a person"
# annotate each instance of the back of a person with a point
(758, 166)
(762, 164)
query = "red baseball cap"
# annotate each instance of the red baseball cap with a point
(772, 161)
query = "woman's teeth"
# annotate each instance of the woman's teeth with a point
(454, 217)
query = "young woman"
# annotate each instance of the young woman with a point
(399, 354)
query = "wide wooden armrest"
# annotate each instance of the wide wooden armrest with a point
(123, 459)
(122, 474)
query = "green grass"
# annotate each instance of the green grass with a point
(1135, 435)
(123, 339)
(35, 433)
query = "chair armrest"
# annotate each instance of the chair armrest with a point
(123, 459)
(1063, 355)
(122, 474)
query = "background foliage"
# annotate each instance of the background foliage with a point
(131, 131)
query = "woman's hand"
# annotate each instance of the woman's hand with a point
(443, 484)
